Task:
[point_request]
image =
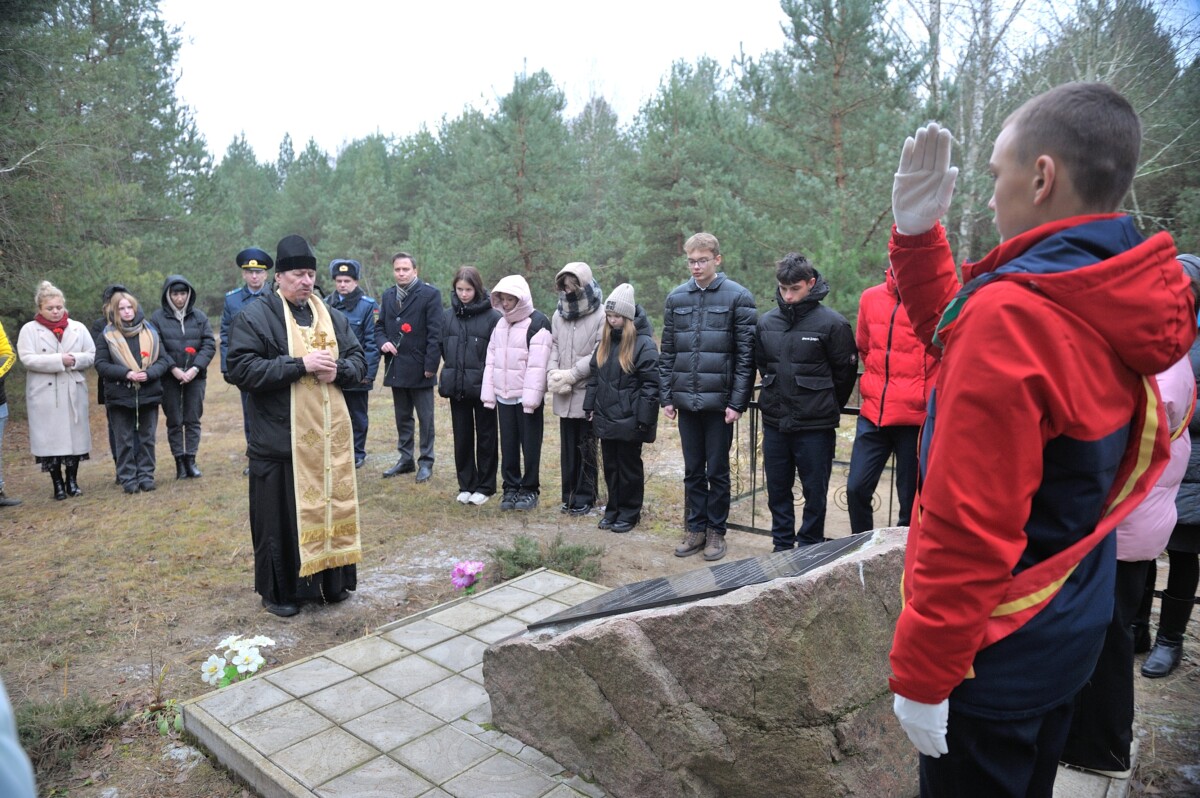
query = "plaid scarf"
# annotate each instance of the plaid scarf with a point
(578, 304)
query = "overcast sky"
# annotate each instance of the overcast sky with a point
(269, 67)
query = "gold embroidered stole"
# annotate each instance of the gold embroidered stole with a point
(322, 455)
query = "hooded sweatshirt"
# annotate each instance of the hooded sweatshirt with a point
(515, 371)
(181, 330)
(1043, 431)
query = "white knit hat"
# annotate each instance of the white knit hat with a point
(621, 301)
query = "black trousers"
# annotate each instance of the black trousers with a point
(997, 758)
(405, 401)
(276, 547)
(356, 405)
(577, 453)
(808, 453)
(1102, 726)
(520, 437)
(625, 478)
(476, 450)
(183, 405)
(133, 434)
(705, 439)
(872, 447)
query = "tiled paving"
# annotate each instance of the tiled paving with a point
(400, 713)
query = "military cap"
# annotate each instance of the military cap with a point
(254, 258)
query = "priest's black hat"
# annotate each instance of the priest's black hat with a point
(294, 252)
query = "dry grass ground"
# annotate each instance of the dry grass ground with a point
(120, 598)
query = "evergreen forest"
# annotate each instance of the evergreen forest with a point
(105, 178)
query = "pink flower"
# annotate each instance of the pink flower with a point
(465, 574)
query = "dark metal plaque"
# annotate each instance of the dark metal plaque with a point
(705, 582)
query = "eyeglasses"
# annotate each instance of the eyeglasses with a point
(701, 262)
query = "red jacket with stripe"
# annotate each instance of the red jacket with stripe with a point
(1044, 430)
(898, 371)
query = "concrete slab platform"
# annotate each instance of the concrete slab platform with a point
(400, 713)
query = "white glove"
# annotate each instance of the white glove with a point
(553, 380)
(924, 182)
(566, 381)
(925, 724)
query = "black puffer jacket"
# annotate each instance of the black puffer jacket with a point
(625, 406)
(259, 364)
(707, 359)
(194, 331)
(808, 359)
(465, 333)
(120, 391)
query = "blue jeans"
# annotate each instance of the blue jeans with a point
(872, 447)
(809, 453)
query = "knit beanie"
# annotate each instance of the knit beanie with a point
(621, 301)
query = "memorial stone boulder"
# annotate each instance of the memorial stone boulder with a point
(773, 689)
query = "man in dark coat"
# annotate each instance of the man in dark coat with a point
(360, 312)
(188, 338)
(254, 264)
(706, 371)
(280, 355)
(408, 332)
(809, 362)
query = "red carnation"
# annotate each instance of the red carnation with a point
(189, 349)
(58, 332)
(145, 354)
(405, 328)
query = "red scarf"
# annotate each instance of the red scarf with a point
(56, 327)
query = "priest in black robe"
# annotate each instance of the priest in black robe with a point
(293, 355)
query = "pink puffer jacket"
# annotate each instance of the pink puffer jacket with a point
(1144, 533)
(514, 370)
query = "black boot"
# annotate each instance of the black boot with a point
(8, 501)
(72, 473)
(1173, 615)
(181, 467)
(1164, 657)
(189, 463)
(60, 490)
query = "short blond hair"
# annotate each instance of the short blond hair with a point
(705, 241)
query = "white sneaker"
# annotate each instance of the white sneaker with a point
(478, 498)
(463, 497)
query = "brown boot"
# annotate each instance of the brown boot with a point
(693, 543)
(714, 548)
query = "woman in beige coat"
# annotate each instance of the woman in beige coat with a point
(56, 350)
(576, 326)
